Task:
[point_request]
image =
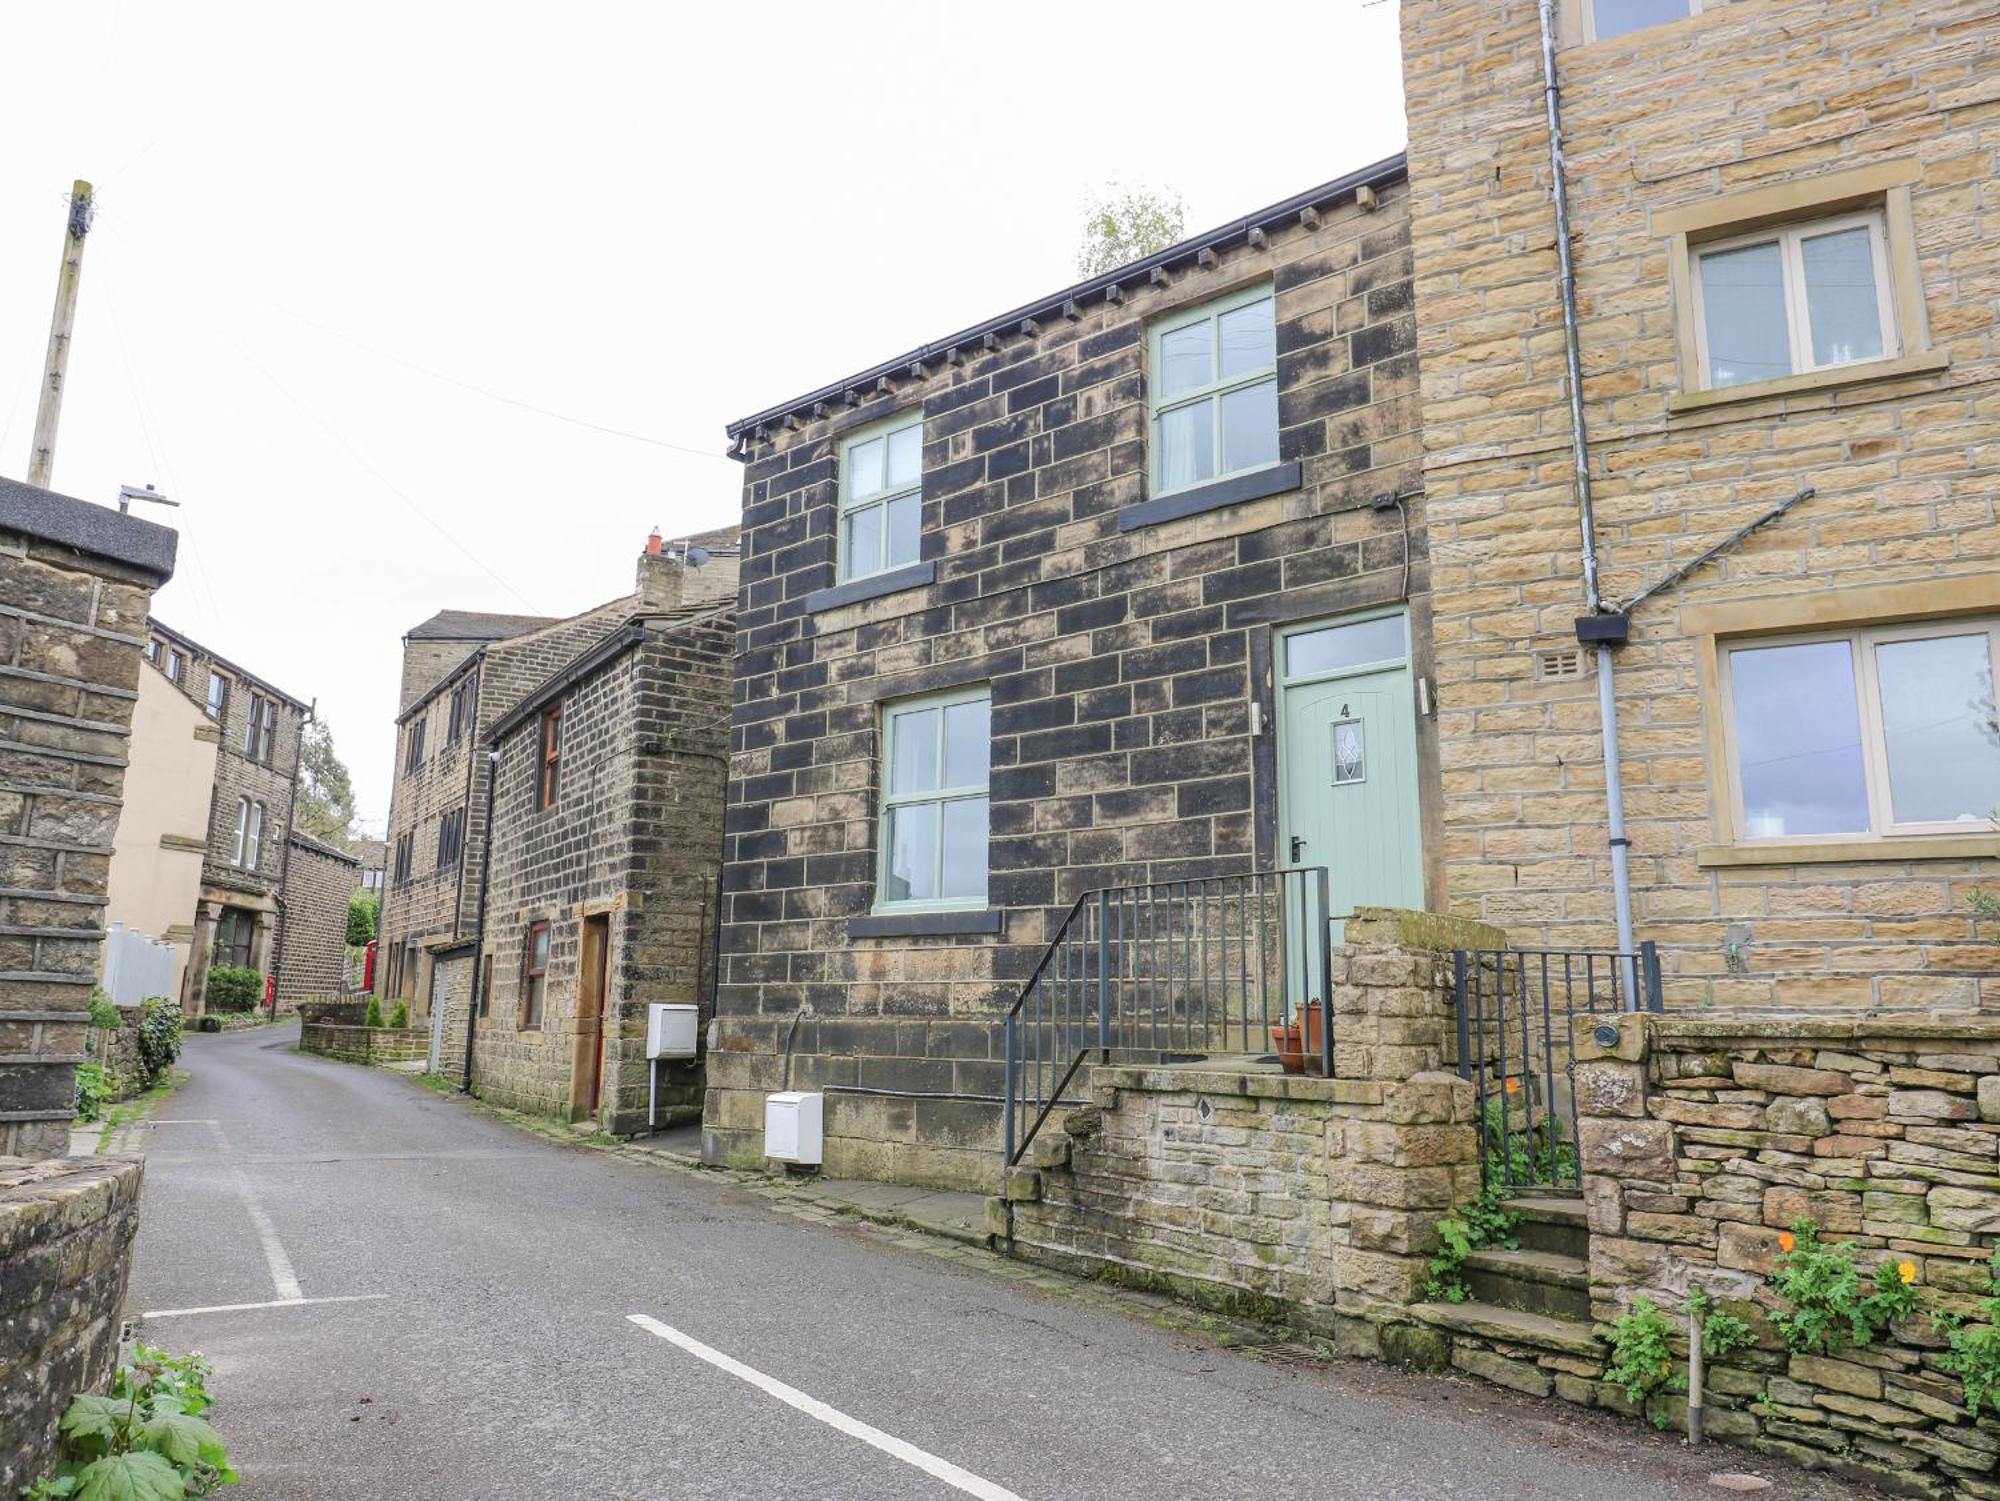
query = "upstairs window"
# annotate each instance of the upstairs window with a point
(934, 802)
(260, 729)
(153, 650)
(218, 696)
(1881, 731)
(451, 838)
(881, 496)
(534, 974)
(1214, 391)
(1787, 301)
(413, 746)
(1606, 19)
(549, 771)
(462, 698)
(248, 848)
(400, 870)
(176, 665)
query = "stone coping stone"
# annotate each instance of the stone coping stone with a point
(1252, 1079)
(1437, 931)
(1511, 1326)
(78, 1190)
(1791, 1026)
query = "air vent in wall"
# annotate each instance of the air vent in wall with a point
(1560, 665)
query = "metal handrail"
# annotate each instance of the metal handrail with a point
(1169, 968)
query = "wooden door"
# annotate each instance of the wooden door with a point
(592, 1002)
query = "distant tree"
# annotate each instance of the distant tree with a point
(326, 792)
(364, 916)
(1123, 224)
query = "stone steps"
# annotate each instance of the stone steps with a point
(1512, 1326)
(1534, 1281)
(1552, 1222)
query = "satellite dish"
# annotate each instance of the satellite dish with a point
(696, 556)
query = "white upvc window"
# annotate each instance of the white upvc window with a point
(242, 831)
(1605, 19)
(1213, 391)
(1875, 732)
(1794, 299)
(935, 755)
(218, 695)
(254, 851)
(881, 496)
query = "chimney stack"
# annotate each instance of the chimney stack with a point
(661, 576)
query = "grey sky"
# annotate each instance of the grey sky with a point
(654, 218)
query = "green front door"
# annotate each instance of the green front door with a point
(1347, 760)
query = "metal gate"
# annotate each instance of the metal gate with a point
(1516, 1008)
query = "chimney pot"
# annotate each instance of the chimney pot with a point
(653, 543)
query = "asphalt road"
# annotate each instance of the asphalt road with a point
(491, 1350)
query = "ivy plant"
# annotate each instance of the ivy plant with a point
(159, 1036)
(1485, 1221)
(144, 1440)
(1829, 1304)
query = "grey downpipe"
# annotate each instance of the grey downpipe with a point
(1607, 698)
(477, 990)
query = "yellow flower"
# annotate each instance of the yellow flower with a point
(1907, 1270)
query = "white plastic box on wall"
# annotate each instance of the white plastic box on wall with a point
(670, 1029)
(794, 1126)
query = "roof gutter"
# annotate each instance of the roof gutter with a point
(1108, 286)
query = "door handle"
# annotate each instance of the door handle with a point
(1298, 849)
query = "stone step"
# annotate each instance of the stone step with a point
(1551, 1222)
(1512, 1326)
(1533, 1281)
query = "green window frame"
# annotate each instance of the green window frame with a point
(881, 496)
(935, 823)
(1212, 392)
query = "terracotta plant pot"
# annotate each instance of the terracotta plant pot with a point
(1285, 1039)
(1314, 1051)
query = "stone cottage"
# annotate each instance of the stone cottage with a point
(1091, 595)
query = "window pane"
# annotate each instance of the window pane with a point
(967, 738)
(1938, 722)
(1616, 17)
(913, 751)
(905, 522)
(861, 546)
(1184, 358)
(1247, 340)
(1841, 304)
(965, 848)
(1743, 313)
(541, 959)
(1340, 646)
(1187, 446)
(1250, 427)
(1798, 740)
(912, 873)
(906, 456)
(864, 468)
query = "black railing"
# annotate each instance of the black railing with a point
(1174, 969)
(1515, 1011)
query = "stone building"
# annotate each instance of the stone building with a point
(312, 938)
(603, 883)
(249, 813)
(1078, 571)
(75, 582)
(1786, 291)
(462, 672)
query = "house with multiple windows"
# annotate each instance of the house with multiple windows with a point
(1124, 588)
(1784, 550)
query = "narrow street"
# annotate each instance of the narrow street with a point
(459, 1316)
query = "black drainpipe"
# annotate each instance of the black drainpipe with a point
(478, 987)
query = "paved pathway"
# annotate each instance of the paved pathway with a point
(530, 1319)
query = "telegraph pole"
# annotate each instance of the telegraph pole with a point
(43, 460)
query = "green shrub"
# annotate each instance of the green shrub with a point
(1975, 1350)
(1722, 1334)
(234, 987)
(364, 917)
(159, 1037)
(103, 1014)
(91, 1089)
(1521, 1150)
(1642, 1355)
(399, 1015)
(374, 1016)
(1486, 1221)
(1830, 1305)
(144, 1440)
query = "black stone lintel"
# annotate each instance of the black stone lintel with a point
(909, 576)
(1238, 488)
(922, 924)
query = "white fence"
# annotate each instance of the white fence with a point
(136, 966)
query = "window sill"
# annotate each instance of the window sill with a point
(923, 924)
(1852, 851)
(1238, 488)
(1922, 363)
(874, 586)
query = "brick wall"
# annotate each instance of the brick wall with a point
(633, 838)
(1122, 664)
(66, 1232)
(1748, 95)
(72, 625)
(318, 881)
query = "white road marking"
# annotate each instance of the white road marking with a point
(181, 1313)
(791, 1396)
(283, 1279)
